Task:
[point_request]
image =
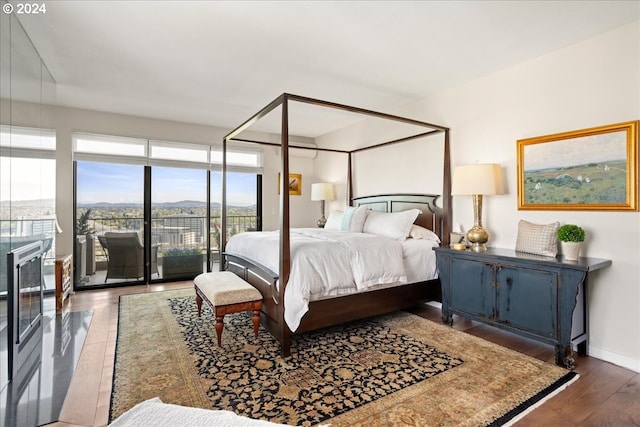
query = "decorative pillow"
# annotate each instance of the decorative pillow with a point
(418, 232)
(354, 218)
(539, 239)
(396, 225)
(334, 222)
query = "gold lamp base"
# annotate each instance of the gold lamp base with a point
(477, 236)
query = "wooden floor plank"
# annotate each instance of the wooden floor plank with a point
(82, 397)
(620, 409)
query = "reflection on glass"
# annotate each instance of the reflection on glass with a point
(27, 165)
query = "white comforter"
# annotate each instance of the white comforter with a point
(324, 262)
(155, 413)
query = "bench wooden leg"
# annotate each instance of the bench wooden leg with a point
(220, 311)
(256, 322)
(199, 304)
(219, 328)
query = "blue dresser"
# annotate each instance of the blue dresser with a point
(534, 296)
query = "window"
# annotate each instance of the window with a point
(237, 159)
(109, 148)
(179, 152)
(116, 176)
(27, 194)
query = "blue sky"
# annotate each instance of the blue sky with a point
(117, 183)
(576, 151)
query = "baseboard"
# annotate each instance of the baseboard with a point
(616, 359)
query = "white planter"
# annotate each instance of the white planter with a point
(570, 250)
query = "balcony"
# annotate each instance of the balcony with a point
(187, 232)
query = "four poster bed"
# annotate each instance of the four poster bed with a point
(277, 263)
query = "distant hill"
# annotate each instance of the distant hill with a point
(38, 203)
(168, 205)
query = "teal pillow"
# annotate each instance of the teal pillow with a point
(353, 218)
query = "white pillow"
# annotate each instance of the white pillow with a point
(418, 232)
(334, 222)
(539, 239)
(396, 225)
(354, 218)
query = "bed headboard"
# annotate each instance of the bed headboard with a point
(431, 216)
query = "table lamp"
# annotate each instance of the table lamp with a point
(477, 180)
(322, 191)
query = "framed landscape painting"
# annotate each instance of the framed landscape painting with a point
(589, 169)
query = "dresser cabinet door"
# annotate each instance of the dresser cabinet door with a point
(471, 290)
(527, 299)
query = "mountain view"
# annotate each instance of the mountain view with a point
(105, 210)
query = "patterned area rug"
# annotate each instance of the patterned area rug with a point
(395, 370)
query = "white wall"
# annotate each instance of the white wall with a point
(302, 211)
(593, 83)
(417, 164)
(410, 167)
(332, 167)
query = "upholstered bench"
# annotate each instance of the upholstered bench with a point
(226, 293)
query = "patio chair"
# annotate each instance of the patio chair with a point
(125, 256)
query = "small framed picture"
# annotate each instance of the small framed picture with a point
(295, 184)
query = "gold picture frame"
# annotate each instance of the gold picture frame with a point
(295, 184)
(589, 169)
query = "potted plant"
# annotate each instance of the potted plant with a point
(181, 263)
(82, 224)
(84, 229)
(570, 237)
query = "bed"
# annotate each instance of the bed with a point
(271, 276)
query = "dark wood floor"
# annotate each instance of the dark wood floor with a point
(604, 395)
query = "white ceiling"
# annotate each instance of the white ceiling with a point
(218, 62)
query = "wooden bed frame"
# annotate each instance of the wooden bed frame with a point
(337, 310)
(334, 311)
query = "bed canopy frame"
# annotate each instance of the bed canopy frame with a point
(275, 316)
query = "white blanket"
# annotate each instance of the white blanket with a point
(324, 262)
(155, 413)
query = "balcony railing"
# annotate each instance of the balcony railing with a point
(185, 232)
(17, 229)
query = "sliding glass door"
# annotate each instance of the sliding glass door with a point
(110, 220)
(179, 221)
(148, 210)
(244, 211)
(109, 246)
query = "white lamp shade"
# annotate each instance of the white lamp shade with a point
(322, 191)
(485, 178)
